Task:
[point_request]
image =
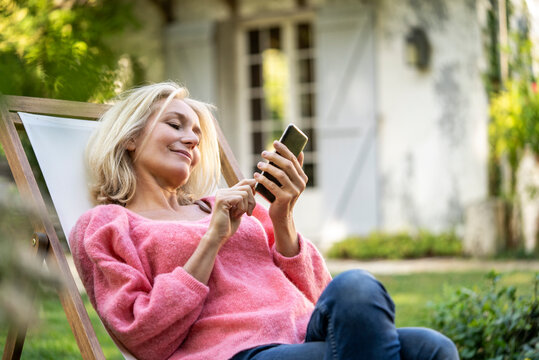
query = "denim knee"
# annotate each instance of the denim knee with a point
(443, 347)
(357, 289)
(355, 315)
(424, 343)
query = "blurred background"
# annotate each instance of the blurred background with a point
(422, 115)
(423, 118)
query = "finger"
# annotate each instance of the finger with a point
(247, 203)
(283, 150)
(270, 185)
(250, 197)
(252, 204)
(296, 161)
(237, 207)
(301, 157)
(282, 177)
(287, 154)
(293, 170)
(247, 185)
(230, 199)
(300, 170)
(279, 160)
(225, 203)
(248, 182)
(245, 190)
(248, 193)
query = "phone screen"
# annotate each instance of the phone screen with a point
(295, 140)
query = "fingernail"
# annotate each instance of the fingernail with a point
(260, 164)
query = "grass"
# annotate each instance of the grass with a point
(53, 339)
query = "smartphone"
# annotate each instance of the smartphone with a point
(295, 140)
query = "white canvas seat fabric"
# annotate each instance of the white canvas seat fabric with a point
(59, 145)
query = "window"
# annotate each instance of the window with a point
(281, 86)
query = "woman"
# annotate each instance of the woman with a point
(175, 274)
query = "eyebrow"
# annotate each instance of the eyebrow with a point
(178, 114)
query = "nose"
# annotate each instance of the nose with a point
(190, 139)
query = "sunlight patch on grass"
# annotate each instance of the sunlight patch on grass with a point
(519, 279)
(407, 298)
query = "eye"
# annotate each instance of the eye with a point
(175, 125)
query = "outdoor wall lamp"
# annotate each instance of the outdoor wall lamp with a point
(417, 48)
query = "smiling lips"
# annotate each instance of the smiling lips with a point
(183, 153)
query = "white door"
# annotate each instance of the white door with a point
(347, 134)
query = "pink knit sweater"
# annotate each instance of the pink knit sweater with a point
(131, 267)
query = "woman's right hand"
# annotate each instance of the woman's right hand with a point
(230, 204)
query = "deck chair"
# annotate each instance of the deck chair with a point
(58, 131)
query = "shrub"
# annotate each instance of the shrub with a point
(378, 245)
(495, 324)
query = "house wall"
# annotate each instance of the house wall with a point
(432, 124)
(430, 138)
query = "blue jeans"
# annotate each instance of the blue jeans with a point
(355, 319)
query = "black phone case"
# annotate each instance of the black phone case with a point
(295, 140)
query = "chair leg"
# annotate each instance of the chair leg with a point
(17, 333)
(14, 343)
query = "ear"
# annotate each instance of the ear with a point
(131, 146)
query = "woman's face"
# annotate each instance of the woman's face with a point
(168, 151)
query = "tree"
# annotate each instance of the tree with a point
(58, 48)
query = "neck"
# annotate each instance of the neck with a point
(152, 196)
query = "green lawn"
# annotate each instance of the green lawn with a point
(52, 338)
(411, 293)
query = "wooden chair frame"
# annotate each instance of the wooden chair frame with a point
(45, 237)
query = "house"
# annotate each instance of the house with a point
(390, 93)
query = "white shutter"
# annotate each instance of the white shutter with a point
(347, 135)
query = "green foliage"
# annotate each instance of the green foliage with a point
(57, 48)
(492, 76)
(515, 121)
(379, 245)
(514, 105)
(493, 324)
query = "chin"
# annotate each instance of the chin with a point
(178, 177)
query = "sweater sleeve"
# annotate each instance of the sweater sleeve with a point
(307, 270)
(150, 316)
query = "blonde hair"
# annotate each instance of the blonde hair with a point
(110, 166)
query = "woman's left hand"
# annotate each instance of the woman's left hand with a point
(289, 172)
